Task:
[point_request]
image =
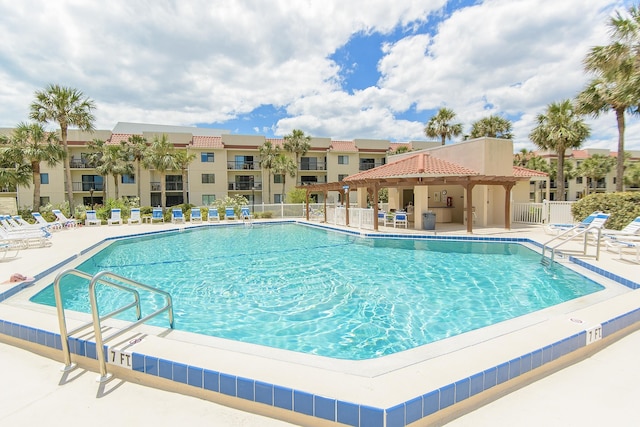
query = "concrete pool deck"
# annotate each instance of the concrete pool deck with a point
(71, 242)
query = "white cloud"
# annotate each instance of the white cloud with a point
(177, 62)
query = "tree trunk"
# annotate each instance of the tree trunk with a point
(116, 188)
(67, 168)
(35, 166)
(620, 165)
(163, 191)
(184, 186)
(138, 179)
(560, 174)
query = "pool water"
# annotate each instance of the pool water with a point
(316, 291)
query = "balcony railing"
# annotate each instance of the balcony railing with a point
(317, 166)
(170, 186)
(87, 186)
(367, 166)
(243, 165)
(79, 164)
(245, 186)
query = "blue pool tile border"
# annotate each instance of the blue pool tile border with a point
(323, 407)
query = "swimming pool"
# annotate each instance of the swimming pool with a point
(326, 293)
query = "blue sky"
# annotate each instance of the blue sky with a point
(344, 70)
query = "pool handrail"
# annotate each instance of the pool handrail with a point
(105, 278)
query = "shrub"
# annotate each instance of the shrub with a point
(623, 207)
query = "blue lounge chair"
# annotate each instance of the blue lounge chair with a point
(92, 218)
(157, 215)
(135, 217)
(561, 228)
(245, 213)
(213, 215)
(177, 216)
(230, 214)
(196, 215)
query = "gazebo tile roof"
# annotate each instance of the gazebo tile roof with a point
(419, 164)
(524, 172)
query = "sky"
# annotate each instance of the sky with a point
(374, 69)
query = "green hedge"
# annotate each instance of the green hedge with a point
(623, 207)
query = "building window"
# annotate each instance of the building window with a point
(207, 157)
(208, 178)
(128, 179)
(579, 180)
(44, 178)
(45, 200)
(278, 178)
(342, 176)
(208, 199)
(173, 183)
(92, 181)
(277, 198)
(343, 160)
(308, 163)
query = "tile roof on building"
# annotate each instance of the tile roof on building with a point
(276, 142)
(117, 138)
(347, 146)
(207, 142)
(419, 164)
(524, 172)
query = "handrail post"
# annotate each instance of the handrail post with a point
(64, 337)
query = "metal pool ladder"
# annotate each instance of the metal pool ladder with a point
(567, 237)
(111, 280)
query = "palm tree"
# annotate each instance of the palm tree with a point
(632, 175)
(12, 173)
(31, 144)
(284, 165)
(94, 159)
(558, 129)
(440, 126)
(268, 155)
(110, 160)
(183, 159)
(161, 156)
(297, 143)
(135, 147)
(595, 168)
(67, 107)
(617, 73)
(493, 127)
(522, 157)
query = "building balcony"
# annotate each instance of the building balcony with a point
(79, 164)
(170, 186)
(243, 165)
(367, 166)
(317, 166)
(245, 186)
(87, 186)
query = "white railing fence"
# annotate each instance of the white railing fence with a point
(542, 213)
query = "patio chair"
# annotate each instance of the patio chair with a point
(213, 215)
(633, 228)
(157, 215)
(230, 214)
(621, 243)
(196, 216)
(7, 248)
(384, 218)
(25, 225)
(25, 238)
(135, 217)
(177, 216)
(561, 228)
(116, 217)
(400, 219)
(63, 220)
(245, 213)
(53, 226)
(92, 219)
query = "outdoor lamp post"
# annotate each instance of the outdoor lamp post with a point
(91, 190)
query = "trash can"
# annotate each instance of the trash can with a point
(429, 221)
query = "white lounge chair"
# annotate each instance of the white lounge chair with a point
(196, 215)
(631, 229)
(26, 239)
(177, 216)
(135, 217)
(157, 215)
(556, 229)
(245, 213)
(25, 225)
(624, 243)
(53, 226)
(116, 217)
(92, 218)
(213, 215)
(63, 220)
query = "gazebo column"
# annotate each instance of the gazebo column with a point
(307, 203)
(325, 194)
(376, 208)
(469, 196)
(421, 204)
(507, 205)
